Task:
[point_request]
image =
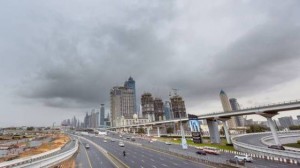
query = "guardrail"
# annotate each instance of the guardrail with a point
(265, 140)
(45, 159)
(264, 152)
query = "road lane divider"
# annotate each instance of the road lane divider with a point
(113, 159)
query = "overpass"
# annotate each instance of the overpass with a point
(267, 111)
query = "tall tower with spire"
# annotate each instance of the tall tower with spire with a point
(227, 107)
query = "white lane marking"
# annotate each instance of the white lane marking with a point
(154, 166)
(152, 160)
(175, 164)
(164, 165)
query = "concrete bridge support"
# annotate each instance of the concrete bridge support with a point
(271, 124)
(226, 131)
(158, 132)
(148, 131)
(273, 130)
(213, 131)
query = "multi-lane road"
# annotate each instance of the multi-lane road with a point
(91, 158)
(137, 156)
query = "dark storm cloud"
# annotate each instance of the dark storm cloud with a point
(83, 62)
(84, 65)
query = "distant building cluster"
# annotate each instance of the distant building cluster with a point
(123, 106)
(124, 110)
(95, 119)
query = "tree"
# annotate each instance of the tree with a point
(170, 130)
(141, 131)
(222, 131)
(294, 127)
(257, 128)
(30, 128)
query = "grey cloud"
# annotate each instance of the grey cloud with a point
(83, 62)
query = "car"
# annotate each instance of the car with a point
(168, 143)
(120, 136)
(121, 144)
(132, 139)
(245, 158)
(278, 147)
(87, 146)
(105, 140)
(112, 140)
(150, 141)
(211, 150)
(201, 152)
(127, 137)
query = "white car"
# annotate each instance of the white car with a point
(168, 143)
(105, 140)
(121, 144)
(87, 146)
(245, 158)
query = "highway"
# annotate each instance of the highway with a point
(216, 158)
(139, 157)
(91, 158)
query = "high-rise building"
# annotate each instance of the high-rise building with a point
(148, 106)
(130, 84)
(227, 108)
(167, 110)
(158, 109)
(86, 120)
(178, 107)
(240, 122)
(121, 103)
(102, 114)
(286, 122)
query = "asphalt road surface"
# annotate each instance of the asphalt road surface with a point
(139, 157)
(259, 163)
(91, 158)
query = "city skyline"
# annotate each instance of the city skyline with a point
(59, 59)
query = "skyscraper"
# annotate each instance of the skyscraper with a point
(178, 107)
(121, 103)
(227, 107)
(102, 113)
(286, 122)
(130, 84)
(167, 110)
(236, 106)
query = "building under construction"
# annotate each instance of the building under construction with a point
(158, 109)
(148, 106)
(178, 107)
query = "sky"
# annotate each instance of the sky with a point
(61, 58)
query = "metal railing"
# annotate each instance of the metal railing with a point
(264, 151)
